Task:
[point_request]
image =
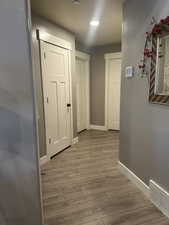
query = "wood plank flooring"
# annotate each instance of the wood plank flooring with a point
(83, 186)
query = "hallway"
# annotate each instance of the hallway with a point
(83, 186)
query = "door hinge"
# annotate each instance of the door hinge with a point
(50, 140)
(47, 100)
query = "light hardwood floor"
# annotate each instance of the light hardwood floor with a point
(83, 186)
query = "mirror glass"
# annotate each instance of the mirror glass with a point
(162, 66)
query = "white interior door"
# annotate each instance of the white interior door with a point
(56, 88)
(81, 94)
(113, 93)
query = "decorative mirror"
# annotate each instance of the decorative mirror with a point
(159, 76)
(155, 63)
(162, 66)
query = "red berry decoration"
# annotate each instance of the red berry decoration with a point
(150, 36)
(166, 20)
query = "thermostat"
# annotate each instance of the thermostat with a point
(129, 71)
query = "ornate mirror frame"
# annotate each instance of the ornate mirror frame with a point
(159, 30)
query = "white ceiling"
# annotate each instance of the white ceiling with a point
(76, 18)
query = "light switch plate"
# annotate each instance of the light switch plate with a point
(129, 72)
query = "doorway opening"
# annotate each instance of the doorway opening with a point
(112, 90)
(83, 90)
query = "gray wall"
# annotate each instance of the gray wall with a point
(42, 24)
(97, 82)
(19, 174)
(144, 126)
(82, 47)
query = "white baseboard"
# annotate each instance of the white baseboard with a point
(75, 140)
(159, 197)
(134, 179)
(44, 160)
(95, 127)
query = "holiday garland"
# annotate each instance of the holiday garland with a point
(158, 29)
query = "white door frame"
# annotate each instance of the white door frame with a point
(108, 57)
(86, 57)
(46, 37)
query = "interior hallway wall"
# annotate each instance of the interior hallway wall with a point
(42, 24)
(82, 47)
(144, 126)
(19, 167)
(97, 82)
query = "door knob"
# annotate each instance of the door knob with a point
(68, 105)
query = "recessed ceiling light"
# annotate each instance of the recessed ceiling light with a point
(94, 23)
(76, 2)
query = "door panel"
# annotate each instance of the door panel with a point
(63, 123)
(53, 108)
(114, 81)
(51, 58)
(56, 88)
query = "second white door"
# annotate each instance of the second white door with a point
(113, 81)
(56, 89)
(82, 90)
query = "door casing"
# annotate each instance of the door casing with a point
(46, 37)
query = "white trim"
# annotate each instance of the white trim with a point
(159, 197)
(75, 140)
(106, 93)
(134, 179)
(95, 127)
(71, 94)
(44, 160)
(108, 57)
(44, 36)
(116, 55)
(88, 92)
(86, 58)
